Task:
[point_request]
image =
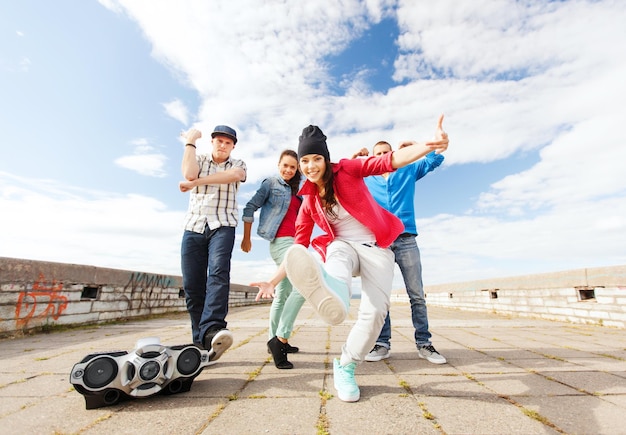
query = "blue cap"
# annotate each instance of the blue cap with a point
(224, 130)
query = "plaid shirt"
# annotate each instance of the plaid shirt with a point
(214, 205)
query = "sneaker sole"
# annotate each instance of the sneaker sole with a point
(220, 344)
(377, 357)
(305, 275)
(348, 398)
(433, 361)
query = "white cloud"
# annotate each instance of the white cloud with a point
(570, 236)
(47, 221)
(150, 165)
(25, 64)
(511, 77)
(177, 110)
(144, 161)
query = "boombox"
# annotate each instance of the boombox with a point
(107, 378)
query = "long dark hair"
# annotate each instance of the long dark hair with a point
(294, 182)
(329, 193)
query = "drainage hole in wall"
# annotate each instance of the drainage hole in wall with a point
(90, 292)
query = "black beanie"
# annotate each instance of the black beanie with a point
(313, 141)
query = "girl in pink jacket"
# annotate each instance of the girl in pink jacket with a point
(358, 233)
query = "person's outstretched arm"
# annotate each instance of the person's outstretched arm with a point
(266, 288)
(409, 154)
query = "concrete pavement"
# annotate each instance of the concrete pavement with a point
(505, 375)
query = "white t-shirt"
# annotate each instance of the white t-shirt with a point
(347, 228)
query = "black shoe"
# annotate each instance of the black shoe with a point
(291, 349)
(277, 348)
(217, 341)
(288, 348)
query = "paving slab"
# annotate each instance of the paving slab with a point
(504, 375)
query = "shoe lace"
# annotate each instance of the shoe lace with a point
(377, 347)
(430, 348)
(348, 372)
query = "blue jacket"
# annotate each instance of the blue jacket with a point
(273, 198)
(396, 193)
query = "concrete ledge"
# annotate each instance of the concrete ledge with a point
(39, 294)
(593, 277)
(36, 294)
(595, 295)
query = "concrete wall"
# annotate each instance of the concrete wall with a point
(594, 295)
(37, 294)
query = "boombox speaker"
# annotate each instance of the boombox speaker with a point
(107, 378)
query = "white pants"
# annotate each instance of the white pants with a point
(375, 266)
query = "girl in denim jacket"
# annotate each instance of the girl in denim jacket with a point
(279, 206)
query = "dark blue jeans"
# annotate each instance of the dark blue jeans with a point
(408, 258)
(205, 262)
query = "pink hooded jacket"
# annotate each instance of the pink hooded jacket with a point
(352, 193)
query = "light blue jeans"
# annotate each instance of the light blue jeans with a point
(408, 258)
(287, 301)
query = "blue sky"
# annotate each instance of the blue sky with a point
(95, 94)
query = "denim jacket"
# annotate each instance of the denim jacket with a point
(273, 198)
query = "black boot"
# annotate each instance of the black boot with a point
(279, 353)
(291, 349)
(288, 348)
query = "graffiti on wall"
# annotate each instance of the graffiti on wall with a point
(42, 301)
(146, 290)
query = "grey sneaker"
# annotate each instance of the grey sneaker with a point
(429, 353)
(377, 353)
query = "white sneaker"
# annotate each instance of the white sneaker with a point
(429, 353)
(377, 353)
(345, 384)
(219, 341)
(328, 295)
